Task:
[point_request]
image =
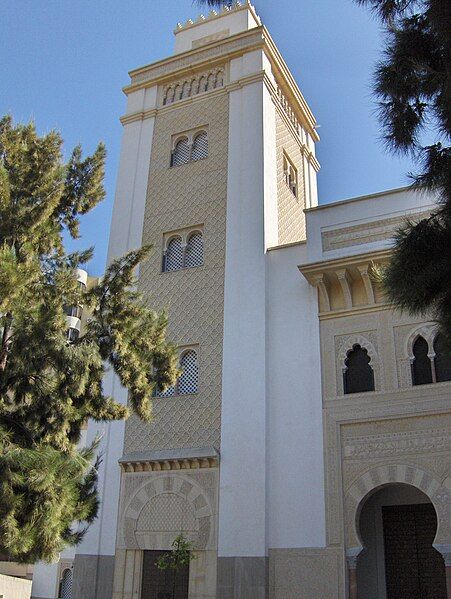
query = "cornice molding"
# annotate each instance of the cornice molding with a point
(172, 459)
(343, 261)
(344, 271)
(153, 112)
(216, 52)
(192, 61)
(385, 405)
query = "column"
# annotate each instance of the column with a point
(352, 555)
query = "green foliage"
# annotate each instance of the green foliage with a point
(413, 85)
(177, 559)
(49, 387)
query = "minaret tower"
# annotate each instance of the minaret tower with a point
(217, 165)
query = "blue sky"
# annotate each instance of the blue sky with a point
(63, 64)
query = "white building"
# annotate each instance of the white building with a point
(310, 421)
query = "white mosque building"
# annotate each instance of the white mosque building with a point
(304, 451)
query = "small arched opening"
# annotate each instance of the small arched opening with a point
(397, 525)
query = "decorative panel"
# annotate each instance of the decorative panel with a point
(178, 198)
(291, 219)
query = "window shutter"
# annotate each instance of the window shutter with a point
(181, 152)
(200, 146)
(195, 250)
(66, 584)
(174, 255)
(188, 381)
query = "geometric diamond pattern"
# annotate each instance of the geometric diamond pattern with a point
(290, 193)
(192, 194)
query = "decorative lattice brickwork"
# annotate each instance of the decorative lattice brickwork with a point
(167, 512)
(178, 198)
(290, 208)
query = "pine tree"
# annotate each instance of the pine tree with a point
(413, 86)
(50, 386)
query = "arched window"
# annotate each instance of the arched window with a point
(358, 376)
(186, 90)
(421, 365)
(200, 146)
(65, 591)
(194, 250)
(220, 79)
(202, 84)
(173, 259)
(194, 87)
(177, 93)
(180, 155)
(442, 361)
(211, 81)
(188, 380)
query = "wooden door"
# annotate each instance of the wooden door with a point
(413, 568)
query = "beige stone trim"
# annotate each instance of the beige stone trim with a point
(159, 491)
(406, 405)
(138, 116)
(350, 288)
(214, 54)
(368, 232)
(141, 115)
(390, 473)
(193, 60)
(178, 464)
(345, 283)
(355, 259)
(354, 311)
(364, 270)
(320, 282)
(358, 199)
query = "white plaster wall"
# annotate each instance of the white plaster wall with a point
(243, 414)
(271, 220)
(14, 588)
(296, 504)
(125, 234)
(235, 21)
(45, 580)
(359, 211)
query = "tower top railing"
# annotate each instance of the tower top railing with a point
(227, 9)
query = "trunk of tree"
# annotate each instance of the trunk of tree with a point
(6, 341)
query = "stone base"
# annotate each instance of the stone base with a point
(308, 573)
(242, 578)
(93, 577)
